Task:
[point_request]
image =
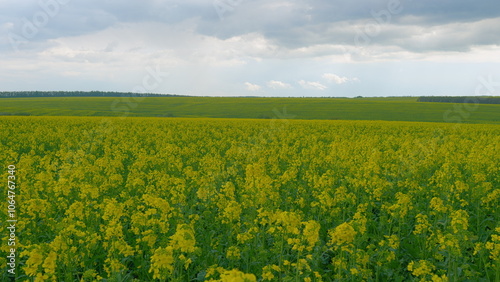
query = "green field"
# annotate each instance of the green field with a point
(389, 109)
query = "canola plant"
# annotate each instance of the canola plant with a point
(153, 199)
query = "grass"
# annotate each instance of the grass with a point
(388, 109)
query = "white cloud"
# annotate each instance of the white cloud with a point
(252, 87)
(275, 84)
(312, 85)
(290, 41)
(331, 77)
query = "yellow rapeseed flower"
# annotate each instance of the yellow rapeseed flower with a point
(438, 205)
(421, 268)
(459, 221)
(233, 253)
(422, 225)
(49, 264)
(162, 262)
(342, 234)
(237, 276)
(183, 239)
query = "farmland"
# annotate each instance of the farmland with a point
(200, 199)
(388, 109)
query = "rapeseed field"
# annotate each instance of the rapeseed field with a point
(166, 199)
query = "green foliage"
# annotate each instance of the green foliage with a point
(389, 109)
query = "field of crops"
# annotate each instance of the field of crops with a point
(388, 109)
(167, 199)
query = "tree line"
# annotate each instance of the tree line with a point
(462, 99)
(15, 94)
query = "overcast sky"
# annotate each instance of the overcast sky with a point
(252, 47)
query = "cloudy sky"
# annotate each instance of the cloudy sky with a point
(252, 47)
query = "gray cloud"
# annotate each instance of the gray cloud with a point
(289, 24)
(274, 44)
(416, 26)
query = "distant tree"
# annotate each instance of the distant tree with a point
(14, 94)
(460, 99)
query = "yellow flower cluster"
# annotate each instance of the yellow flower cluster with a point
(459, 221)
(422, 224)
(184, 239)
(342, 236)
(154, 199)
(162, 262)
(494, 247)
(421, 268)
(233, 275)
